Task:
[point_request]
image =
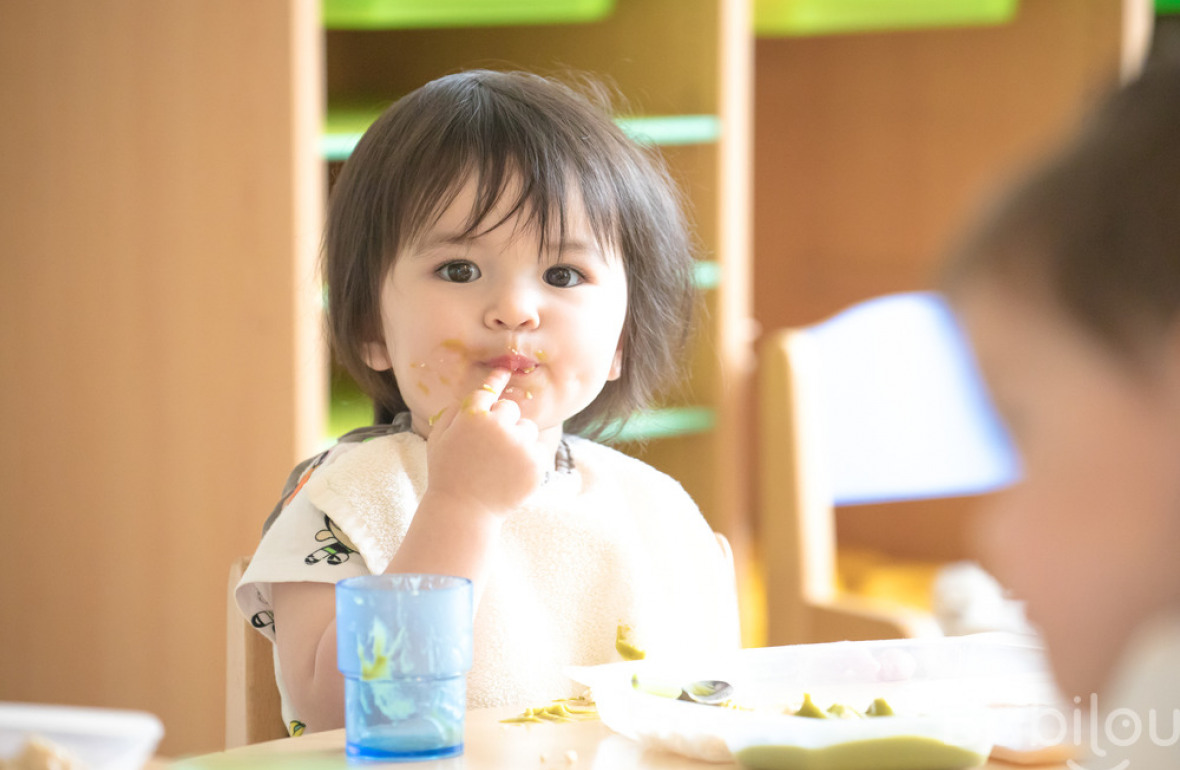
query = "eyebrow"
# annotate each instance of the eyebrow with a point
(575, 245)
(435, 240)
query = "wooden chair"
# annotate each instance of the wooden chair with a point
(253, 711)
(882, 402)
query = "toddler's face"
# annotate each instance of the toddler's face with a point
(454, 308)
(1088, 537)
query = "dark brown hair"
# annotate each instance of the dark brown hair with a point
(1097, 227)
(498, 127)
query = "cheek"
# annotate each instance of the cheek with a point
(596, 331)
(612, 334)
(1075, 518)
(1023, 539)
(1015, 537)
(1084, 541)
(434, 370)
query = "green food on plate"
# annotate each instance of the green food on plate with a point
(662, 689)
(899, 752)
(878, 708)
(809, 709)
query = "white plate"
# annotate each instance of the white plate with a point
(944, 689)
(104, 739)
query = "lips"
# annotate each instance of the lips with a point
(513, 362)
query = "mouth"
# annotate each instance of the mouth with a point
(513, 362)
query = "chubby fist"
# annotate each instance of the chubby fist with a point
(481, 453)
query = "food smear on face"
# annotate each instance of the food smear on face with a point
(517, 394)
(879, 708)
(446, 365)
(625, 644)
(515, 361)
(452, 360)
(898, 752)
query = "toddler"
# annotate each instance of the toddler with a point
(1071, 294)
(509, 276)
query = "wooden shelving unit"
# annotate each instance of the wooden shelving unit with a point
(163, 370)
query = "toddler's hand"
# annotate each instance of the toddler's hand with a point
(481, 453)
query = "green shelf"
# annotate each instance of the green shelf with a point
(344, 126)
(348, 407)
(670, 130)
(787, 18)
(397, 14)
(666, 423)
(706, 274)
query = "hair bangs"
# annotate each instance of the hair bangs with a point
(540, 164)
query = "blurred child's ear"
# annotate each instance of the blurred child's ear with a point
(616, 365)
(376, 356)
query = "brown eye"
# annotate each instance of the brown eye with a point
(458, 272)
(563, 277)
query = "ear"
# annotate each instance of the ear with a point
(376, 356)
(616, 365)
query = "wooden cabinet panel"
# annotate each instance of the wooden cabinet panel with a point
(872, 150)
(159, 209)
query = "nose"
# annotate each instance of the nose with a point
(513, 306)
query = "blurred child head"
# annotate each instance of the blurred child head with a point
(519, 146)
(1070, 291)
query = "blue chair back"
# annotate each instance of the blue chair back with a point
(904, 411)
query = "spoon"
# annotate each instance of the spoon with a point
(710, 692)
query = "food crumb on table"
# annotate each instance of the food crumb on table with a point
(561, 710)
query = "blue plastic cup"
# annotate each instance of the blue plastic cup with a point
(403, 644)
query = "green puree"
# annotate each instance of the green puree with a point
(899, 752)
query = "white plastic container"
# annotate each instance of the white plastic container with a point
(103, 739)
(958, 691)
